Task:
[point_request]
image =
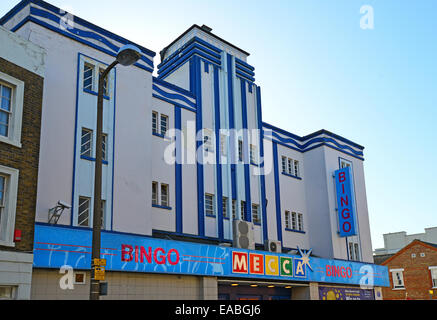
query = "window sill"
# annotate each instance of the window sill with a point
(291, 176)
(7, 244)
(95, 93)
(257, 223)
(297, 231)
(11, 142)
(92, 159)
(398, 289)
(161, 207)
(162, 136)
(210, 216)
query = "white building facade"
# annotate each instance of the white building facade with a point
(203, 110)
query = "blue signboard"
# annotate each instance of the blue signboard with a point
(57, 246)
(345, 202)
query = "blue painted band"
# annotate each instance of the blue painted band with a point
(178, 170)
(173, 103)
(232, 126)
(246, 153)
(92, 159)
(245, 64)
(291, 176)
(161, 207)
(174, 87)
(173, 96)
(218, 155)
(277, 192)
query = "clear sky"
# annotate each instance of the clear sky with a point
(319, 70)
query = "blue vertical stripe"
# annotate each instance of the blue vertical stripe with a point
(277, 191)
(178, 169)
(232, 126)
(261, 154)
(218, 154)
(196, 83)
(246, 159)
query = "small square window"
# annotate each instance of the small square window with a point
(413, 255)
(79, 278)
(422, 254)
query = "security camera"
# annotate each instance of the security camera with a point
(64, 205)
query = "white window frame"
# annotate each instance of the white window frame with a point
(163, 129)
(209, 205)
(225, 207)
(294, 221)
(296, 168)
(287, 220)
(16, 116)
(165, 187)
(434, 280)
(256, 218)
(155, 195)
(395, 271)
(300, 225)
(253, 154)
(7, 225)
(89, 211)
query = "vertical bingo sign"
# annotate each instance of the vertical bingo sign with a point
(345, 202)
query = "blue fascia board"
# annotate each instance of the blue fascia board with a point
(173, 87)
(194, 39)
(245, 64)
(243, 69)
(186, 49)
(176, 104)
(177, 62)
(76, 20)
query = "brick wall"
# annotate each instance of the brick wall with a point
(417, 276)
(25, 158)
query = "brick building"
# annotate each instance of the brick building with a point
(21, 92)
(413, 272)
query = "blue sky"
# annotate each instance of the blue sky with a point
(318, 69)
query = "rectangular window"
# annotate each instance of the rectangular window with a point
(209, 205)
(2, 196)
(225, 207)
(86, 143)
(240, 150)
(104, 147)
(7, 292)
(83, 219)
(164, 195)
(433, 271)
(255, 213)
(164, 124)
(290, 166)
(5, 109)
(252, 153)
(300, 221)
(243, 210)
(296, 168)
(344, 163)
(284, 164)
(88, 73)
(234, 209)
(154, 122)
(223, 146)
(293, 221)
(398, 279)
(154, 193)
(357, 251)
(287, 219)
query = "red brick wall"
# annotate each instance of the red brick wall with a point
(26, 158)
(417, 276)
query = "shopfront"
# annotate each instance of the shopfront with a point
(229, 273)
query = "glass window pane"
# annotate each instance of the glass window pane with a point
(4, 123)
(164, 195)
(84, 212)
(88, 77)
(86, 143)
(225, 207)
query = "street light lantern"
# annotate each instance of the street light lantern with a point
(128, 55)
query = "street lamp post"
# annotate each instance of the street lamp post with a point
(126, 56)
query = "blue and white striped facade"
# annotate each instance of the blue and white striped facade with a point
(203, 82)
